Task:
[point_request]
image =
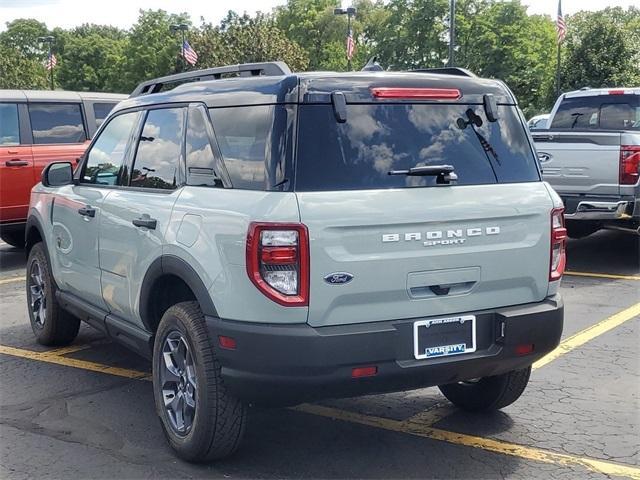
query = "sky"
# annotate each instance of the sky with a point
(123, 13)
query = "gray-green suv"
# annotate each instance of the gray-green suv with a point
(271, 237)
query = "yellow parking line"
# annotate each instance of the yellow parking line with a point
(411, 426)
(590, 333)
(432, 415)
(488, 444)
(11, 280)
(68, 350)
(603, 275)
(73, 362)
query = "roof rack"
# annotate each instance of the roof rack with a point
(243, 70)
(461, 72)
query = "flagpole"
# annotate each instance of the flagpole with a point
(558, 72)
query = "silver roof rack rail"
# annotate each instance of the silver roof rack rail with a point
(243, 70)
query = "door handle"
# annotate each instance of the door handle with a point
(145, 221)
(16, 162)
(87, 211)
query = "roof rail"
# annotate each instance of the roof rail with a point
(461, 72)
(243, 70)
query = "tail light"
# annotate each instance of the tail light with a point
(629, 164)
(278, 261)
(558, 245)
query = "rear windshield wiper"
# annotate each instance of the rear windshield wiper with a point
(444, 173)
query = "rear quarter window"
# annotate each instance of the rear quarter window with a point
(598, 112)
(255, 144)
(9, 129)
(378, 138)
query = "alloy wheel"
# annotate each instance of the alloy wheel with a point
(178, 382)
(37, 294)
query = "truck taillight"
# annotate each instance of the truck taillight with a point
(278, 261)
(629, 164)
(558, 259)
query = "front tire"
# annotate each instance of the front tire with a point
(201, 420)
(51, 324)
(488, 393)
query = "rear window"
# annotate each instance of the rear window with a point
(601, 112)
(375, 139)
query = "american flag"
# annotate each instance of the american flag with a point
(351, 45)
(51, 62)
(560, 25)
(189, 53)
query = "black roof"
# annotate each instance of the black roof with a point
(311, 87)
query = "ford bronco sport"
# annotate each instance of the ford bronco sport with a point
(273, 237)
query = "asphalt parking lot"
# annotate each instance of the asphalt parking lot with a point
(86, 411)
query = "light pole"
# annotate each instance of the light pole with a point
(181, 27)
(48, 40)
(452, 32)
(349, 12)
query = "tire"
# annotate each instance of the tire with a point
(488, 393)
(581, 229)
(15, 239)
(50, 323)
(213, 422)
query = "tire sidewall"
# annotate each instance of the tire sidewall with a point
(172, 320)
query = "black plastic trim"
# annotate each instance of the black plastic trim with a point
(170, 264)
(288, 364)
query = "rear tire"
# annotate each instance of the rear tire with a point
(51, 324)
(15, 239)
(581, 229)
(488, 393)
(200, 419)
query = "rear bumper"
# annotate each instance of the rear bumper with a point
(601, 209)
(288, 364)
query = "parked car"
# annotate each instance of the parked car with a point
(590, 154)
(37, 128)
(282, 237)
(538, 122)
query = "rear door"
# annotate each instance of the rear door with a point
(16, 166)
(581, 152)
(59, 133)
(135, 219)
(387, 247)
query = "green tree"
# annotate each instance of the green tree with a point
(499, 40)
(151, 50)
(245, 39)
(21, 56)
(602, 49)
(92, 58)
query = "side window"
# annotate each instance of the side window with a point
(243, 135)
(57, 123)
(159, 149)
(9, 129)
(201, 162)
(105, 161)
(101, 110)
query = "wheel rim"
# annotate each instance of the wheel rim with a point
(37, 295)
(178, 383)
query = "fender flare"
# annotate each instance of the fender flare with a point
(34, 222)
(170, 264)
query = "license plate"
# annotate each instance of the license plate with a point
(443, 337)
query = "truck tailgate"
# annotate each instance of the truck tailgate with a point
(580, 162)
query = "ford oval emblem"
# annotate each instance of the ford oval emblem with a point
(338, 278)
(544, 157)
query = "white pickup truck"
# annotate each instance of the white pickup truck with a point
(590, 154)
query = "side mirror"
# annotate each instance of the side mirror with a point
(57, 174)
